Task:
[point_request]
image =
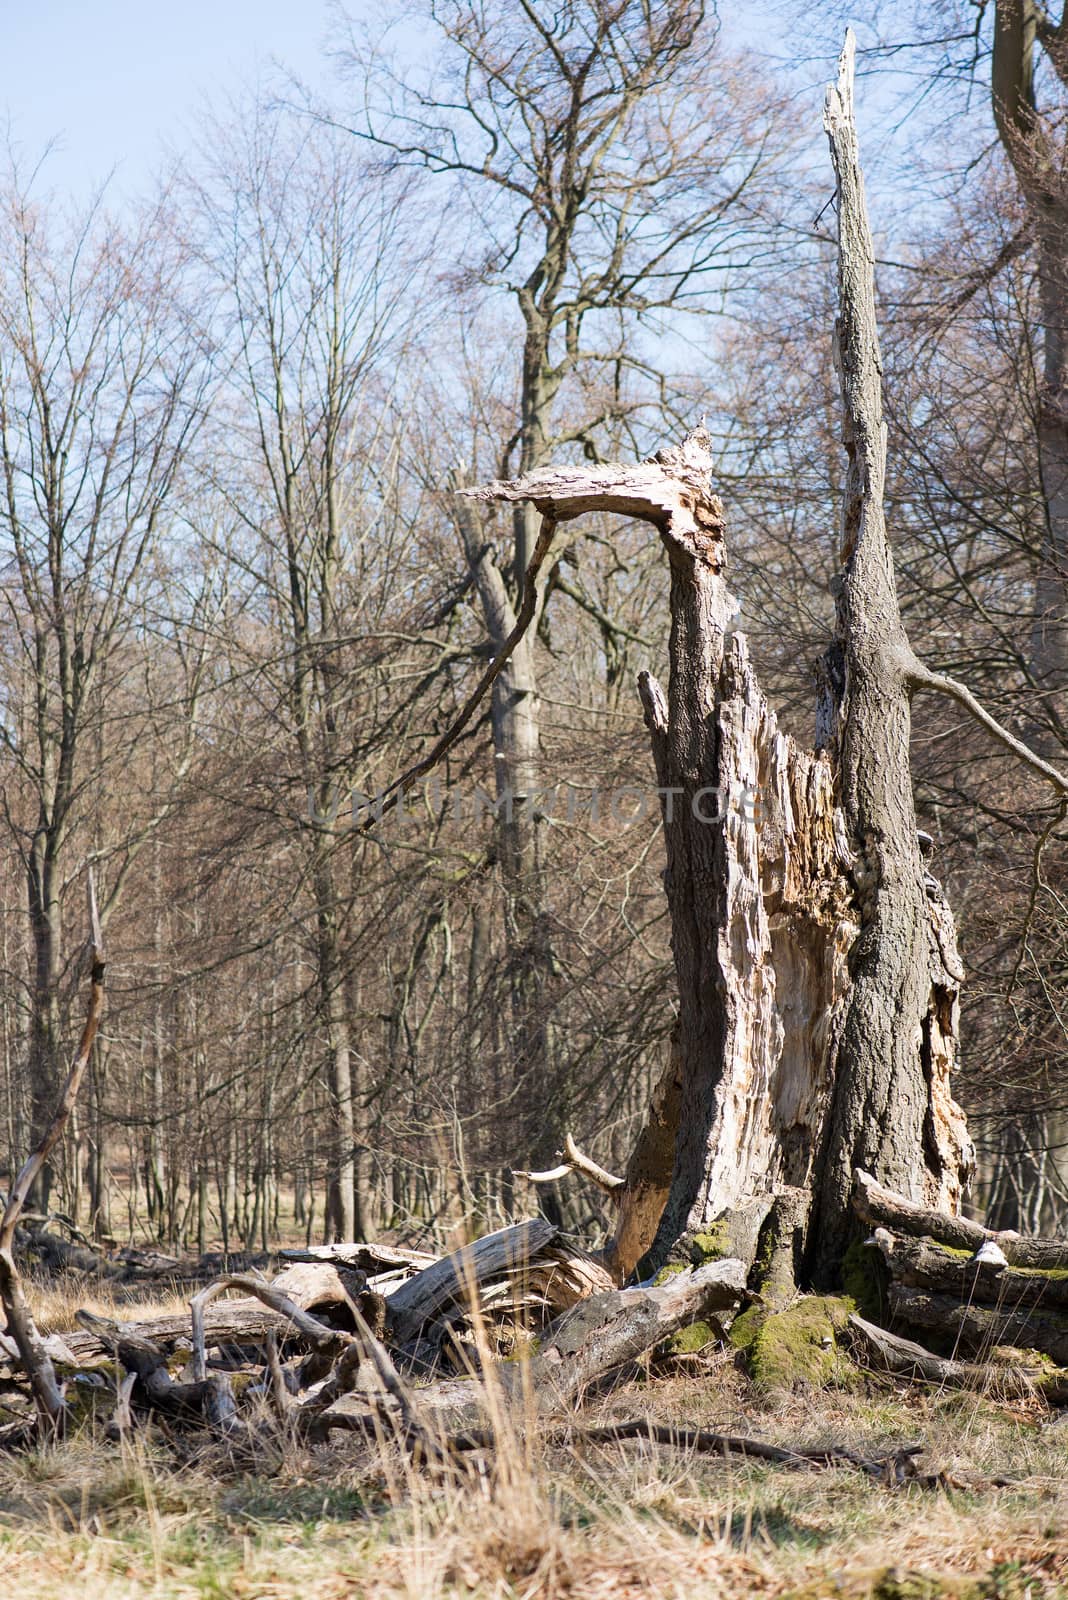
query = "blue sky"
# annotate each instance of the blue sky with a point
(115, 79)
(115, 82)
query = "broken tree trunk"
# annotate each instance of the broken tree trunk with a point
(892, 1111)
(764, 908)
(740, 1110)
(816, 958)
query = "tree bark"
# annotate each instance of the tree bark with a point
(892, 1111)
(1031, 147)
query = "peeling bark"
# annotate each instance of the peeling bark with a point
(767, 908)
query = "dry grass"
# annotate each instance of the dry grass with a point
(617, 1521)
(55, 1298)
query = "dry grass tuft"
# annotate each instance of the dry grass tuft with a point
(55, 1298)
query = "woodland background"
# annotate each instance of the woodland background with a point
(237, 590)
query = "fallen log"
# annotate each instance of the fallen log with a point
(977, 1327)
(587, 1342)
(210, 1399)
(457, 1277)
(925, 1264)
(370, 1258)
(907, 1359)
(245, 1321)
(556, 1275)
(321, 1338)
(880, 1206)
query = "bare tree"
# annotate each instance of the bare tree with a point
(101, 383)
(612, 164)
(311, 258)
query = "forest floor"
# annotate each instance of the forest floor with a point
(628, 1519)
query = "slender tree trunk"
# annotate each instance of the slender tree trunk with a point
(1033, 145)
(515, 720)
(1049, 645)
(340, 1219)
(45, 1040)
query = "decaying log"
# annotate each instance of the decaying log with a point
(458, 1276)
(881, 1206)
(317, 1335)
(209, 1400)
(309, 1285)
(556, 1276)
(592, 1339)
(373, 1259)
(970, 1288)
(55, 1346)
(33, 1353)
(561, 1275)
(607, 1330)
(975, 1328)
(906, 1359)
(925, 1264)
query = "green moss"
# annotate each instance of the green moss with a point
(903, 1583)
(797, 1347)
(865, 1278)
(898, 1584)
(745, 1327)
(86, 1399)
(710, 1245)
(687, 1341)
(693, 1250)
(669, 1271)
(1010, 1355)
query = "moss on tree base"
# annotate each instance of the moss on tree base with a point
(796, 1348)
